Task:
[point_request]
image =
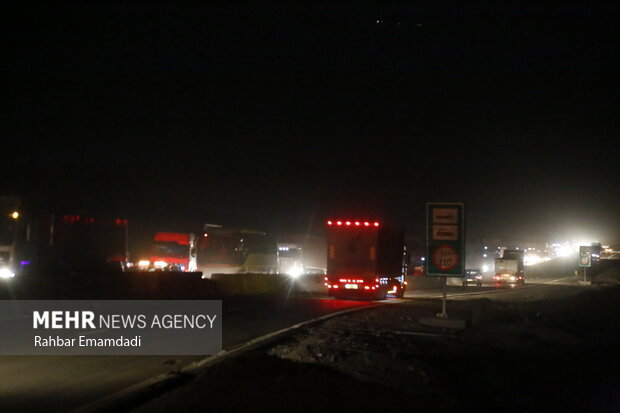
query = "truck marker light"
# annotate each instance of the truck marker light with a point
(376, 224)
(367, 288)
(329, 222)
(357, 223)
(339, 222)
(348, 223)
(366, 224)
(334, 286)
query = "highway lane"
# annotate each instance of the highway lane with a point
(60, 383)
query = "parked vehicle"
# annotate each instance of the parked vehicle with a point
(45, 241)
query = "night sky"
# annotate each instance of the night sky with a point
(277, 116)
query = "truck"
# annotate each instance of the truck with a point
(596, 250)
(229, 250)
(42, 241)
(510, 267)
(301, 254)
(170, 251)
(365, 259)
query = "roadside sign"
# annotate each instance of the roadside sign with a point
(585, 256)
(445, 239)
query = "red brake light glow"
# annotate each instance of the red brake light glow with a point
(357, 223)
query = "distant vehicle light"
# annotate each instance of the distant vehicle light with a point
(329, 222)
(6, 273)
(348, 222)
(15, 215)
(144, 263)
(296, 271)
(160, 264)
(339, 222)
(357, 223)
(376, 224)
(366, 224)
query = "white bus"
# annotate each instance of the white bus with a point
(235, 251)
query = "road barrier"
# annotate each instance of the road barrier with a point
(162, 285)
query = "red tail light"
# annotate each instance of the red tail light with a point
(356, 223)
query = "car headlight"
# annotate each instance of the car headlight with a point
(6, 273)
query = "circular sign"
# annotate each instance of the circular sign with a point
(445, 257)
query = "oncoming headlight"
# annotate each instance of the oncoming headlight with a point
(296, 271)
(6, 273)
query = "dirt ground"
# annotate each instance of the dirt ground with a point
(550, 349)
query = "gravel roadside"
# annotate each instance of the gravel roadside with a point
(549, 351)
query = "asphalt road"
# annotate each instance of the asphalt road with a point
(62, 383)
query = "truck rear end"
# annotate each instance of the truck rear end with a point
(364, 260)
(510, 268)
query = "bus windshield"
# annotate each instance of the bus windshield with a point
(219, 249)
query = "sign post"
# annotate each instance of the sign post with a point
(585, 259)
(445, 243)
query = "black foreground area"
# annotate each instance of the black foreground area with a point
(539, 355)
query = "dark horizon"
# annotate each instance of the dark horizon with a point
(275, 116)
